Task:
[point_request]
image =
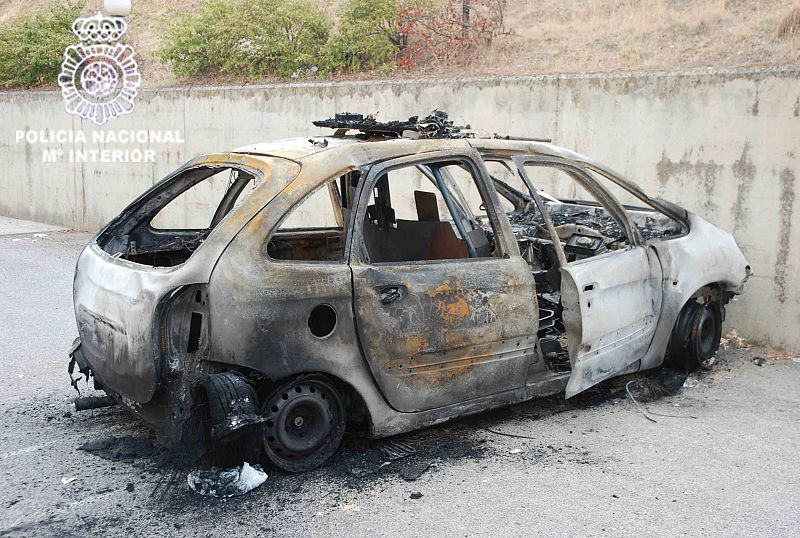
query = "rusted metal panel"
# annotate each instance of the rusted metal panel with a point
(456, 331)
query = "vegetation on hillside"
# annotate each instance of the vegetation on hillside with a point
(31, 49)
(368, 38)
(216, 41)
(250, 39)
(247, 38)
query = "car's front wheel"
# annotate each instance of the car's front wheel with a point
(305, 423)
(696, 335)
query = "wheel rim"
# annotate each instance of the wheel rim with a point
(304, 425)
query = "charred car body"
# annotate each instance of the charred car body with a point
(394, 278)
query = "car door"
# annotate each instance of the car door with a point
(611, 302)
(439, 331)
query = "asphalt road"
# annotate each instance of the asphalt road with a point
(725, 463)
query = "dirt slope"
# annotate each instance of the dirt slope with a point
(554, 36)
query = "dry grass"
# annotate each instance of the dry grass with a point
(790, 25)
(557, 36)
(612, 35)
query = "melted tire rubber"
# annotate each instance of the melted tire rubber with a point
(696, 335)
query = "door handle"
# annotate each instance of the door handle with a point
(389, 294)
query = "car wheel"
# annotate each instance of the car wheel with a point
(305, 423)
(696, 335)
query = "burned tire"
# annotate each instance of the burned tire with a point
(696, 335)
(305, 423)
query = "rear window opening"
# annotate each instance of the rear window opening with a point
(313, 231)
(175, 217)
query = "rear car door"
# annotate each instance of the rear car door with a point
(445, 312)
(611, 301)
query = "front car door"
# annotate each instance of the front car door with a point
(445, 311)
(611, 301)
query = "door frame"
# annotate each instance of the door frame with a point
(498, 219)
(585, 180)
(520, 352)
(583, 374)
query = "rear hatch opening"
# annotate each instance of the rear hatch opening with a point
(166, 225)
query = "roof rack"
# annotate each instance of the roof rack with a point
(434, 125)
(521, 138)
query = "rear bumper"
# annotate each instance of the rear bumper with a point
(189, 406)
(117, 309)
(155, 412)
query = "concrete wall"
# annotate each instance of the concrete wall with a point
(722, 144)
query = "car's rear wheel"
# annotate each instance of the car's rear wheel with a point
(696, 335)
(305, 423)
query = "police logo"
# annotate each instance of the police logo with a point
(99, 78)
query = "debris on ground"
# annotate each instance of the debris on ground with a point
(774, 354)
(416, 495)
(691, 382)
(224, 483)
(125, 448)
(413, 471)
(504, 434)
(68, 480)
(515, 451)
(670, 381)
(759, 361)
(361, 472)
(732, 340)
(655, 387)
(397, 449)
(708, 363)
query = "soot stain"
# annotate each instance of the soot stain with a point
(744, 171)
(782, 272)
(687, 172)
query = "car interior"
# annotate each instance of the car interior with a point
(583, 226)
(416, 213)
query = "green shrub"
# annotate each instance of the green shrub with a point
(248, 38)
(368, 38)
(32, 48)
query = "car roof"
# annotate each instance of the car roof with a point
(362, 149)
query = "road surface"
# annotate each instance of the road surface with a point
(726, 462)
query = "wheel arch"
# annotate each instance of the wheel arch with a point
(358, 412)
(673, 304)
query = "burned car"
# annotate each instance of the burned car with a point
(389, 277)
